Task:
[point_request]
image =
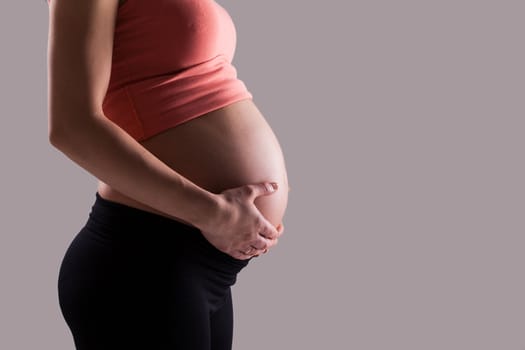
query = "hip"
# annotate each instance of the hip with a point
(118, 240)
(130, 269)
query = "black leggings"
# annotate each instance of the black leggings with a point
(131, 279)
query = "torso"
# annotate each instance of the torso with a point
(226, 148)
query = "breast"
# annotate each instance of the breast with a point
(225, 148)
(165, 36)
(171, 62)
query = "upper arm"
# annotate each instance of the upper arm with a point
(80, 47)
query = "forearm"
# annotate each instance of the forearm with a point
(114, 157)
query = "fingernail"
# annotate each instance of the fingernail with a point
(274, 185)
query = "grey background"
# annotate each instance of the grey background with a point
(402, 124)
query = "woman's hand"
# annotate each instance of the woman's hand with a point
(237, 227)
(280, 229)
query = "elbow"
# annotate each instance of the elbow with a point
(56, 136)
(55, 129)
(61, 136)
(66, 130)
(52, 137)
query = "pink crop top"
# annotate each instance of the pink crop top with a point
(171, 63)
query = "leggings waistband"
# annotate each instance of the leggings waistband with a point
(121, 221)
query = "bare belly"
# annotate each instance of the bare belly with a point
(226, 148)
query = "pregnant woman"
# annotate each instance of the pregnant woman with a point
(143, 95)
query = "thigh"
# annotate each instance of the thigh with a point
(221, 325)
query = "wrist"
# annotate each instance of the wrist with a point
(204, 206)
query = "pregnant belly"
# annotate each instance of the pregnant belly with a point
(225, 148)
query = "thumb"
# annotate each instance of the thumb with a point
(263, 188)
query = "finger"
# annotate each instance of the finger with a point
(272, 242)
(260, 243)
(260, 189)
(269, 231)
(280, 229)
(259, 252)
(242, 255)
(252, 250)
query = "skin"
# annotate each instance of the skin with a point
(220, 150)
